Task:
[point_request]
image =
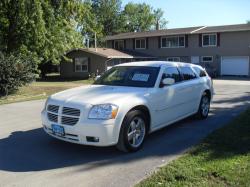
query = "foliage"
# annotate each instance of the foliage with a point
(42, 31)
(108, 13)
(159, 21)
(47, 29)
(134, 17)
(16, 70)
(139, 17)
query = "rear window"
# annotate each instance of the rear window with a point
(187, 73)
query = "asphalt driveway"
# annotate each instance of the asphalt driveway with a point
(29, 157)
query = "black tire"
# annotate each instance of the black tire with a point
(123, 142)
(202, 114)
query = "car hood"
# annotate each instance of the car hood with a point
(99, 94)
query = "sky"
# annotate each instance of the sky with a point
(188, 13)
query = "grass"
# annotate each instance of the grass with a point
(42, 89)
(222, 159)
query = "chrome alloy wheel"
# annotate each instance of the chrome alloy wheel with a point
(205, 104)
(136, 132)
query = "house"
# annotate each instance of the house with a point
(88, 61)
(222, 49)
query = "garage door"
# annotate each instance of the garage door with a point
(234, 65)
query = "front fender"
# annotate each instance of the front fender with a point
(124, 108)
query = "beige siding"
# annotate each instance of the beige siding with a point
(231, 44)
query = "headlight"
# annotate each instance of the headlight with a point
(103, 111)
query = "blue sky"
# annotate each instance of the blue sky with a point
(187, 13)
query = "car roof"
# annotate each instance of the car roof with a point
(156, 63)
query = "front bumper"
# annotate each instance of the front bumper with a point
(107, 131)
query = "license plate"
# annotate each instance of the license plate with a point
(58, 130)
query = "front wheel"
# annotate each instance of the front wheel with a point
(133, 132)
(204, 106)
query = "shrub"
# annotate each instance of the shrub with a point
(16, 70)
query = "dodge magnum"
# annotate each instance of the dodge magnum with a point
(128, 102)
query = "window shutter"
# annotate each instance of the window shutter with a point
(125, 47)
(133, 43)
(146, 43)
(186, 40)
(159, 41)
(200, 40)
(113, 44)
(218, 39)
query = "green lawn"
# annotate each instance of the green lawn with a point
(222, 159)
(42, 89)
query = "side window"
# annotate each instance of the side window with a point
(172, 72)
(200, 71)
(187, 73)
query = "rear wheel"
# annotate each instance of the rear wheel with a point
(204, 106)
(133, 131)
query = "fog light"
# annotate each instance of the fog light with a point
(92, 139)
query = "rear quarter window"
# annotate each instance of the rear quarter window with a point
(187, 73)
(201, 72)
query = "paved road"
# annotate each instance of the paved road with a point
(28, 157)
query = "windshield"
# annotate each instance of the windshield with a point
(134, 76)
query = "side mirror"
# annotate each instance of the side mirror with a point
(167, 81)
(97, 77)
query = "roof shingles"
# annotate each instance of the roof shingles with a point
(181, 31)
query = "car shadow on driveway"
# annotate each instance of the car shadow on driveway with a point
(34, 150)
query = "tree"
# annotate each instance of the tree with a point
(108, 14)
(139, 17)
(45, 29)
(159, 21)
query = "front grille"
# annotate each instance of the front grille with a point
(53, 108)
(69, 120)
(71, 111)
(67, 116)
(52, 117)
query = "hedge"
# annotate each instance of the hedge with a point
(15, 70)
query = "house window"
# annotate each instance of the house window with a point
(209, 40)
(81, 64)
(119, 44)
(174, 59)
(207, 59)
(173, 42)
(140, 44)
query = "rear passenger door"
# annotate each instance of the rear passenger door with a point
(189, 89)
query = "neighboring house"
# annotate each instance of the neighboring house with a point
(223, 49)
(88, 61)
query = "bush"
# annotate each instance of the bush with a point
(15, 71)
